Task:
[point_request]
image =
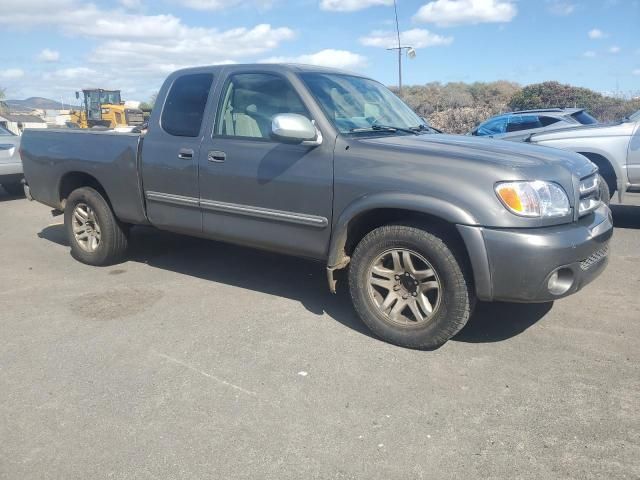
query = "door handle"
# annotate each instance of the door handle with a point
(216, 156)
(185, 154)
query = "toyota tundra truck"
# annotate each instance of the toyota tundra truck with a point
(332, 166)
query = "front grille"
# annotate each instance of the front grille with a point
(594, 258)
(589, 191)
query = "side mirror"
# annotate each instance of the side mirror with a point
(77, 95)
(294, 128)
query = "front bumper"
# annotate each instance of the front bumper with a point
(516, 264)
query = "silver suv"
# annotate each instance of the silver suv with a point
(519, 125)
(10, 164)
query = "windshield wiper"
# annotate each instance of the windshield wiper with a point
(425, 128)
(384, 128)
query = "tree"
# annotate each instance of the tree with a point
(146, 107)
(554, 94)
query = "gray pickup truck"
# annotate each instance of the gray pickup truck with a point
(332, 166)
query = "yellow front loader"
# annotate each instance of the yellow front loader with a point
(104, 108)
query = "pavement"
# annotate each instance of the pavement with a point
(196, 360)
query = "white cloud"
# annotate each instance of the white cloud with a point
(589, 54)
(448, 13)
(614, 49)
(416, 37)
(131, 4)
(134, 51)
(48, 55)
(72, 73)
(596, 34)
(352, 5)
(636, 71)
(11, 73)
(213, 5)
(560, 7)
(325, 58)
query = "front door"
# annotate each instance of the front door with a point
(170, 155)
(258, 191)
(633, 166)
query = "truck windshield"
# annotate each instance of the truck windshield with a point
(635, 117)
(356, 105)
(4, 131)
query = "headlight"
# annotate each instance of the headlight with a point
(534, 199)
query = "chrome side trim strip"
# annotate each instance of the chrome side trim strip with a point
(267, 213)
(234, 208)
(172, 199)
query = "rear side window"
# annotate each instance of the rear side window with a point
(584, 118)
(517, 123)
(546, 121)
(184, 108)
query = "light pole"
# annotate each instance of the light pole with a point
(411, 52)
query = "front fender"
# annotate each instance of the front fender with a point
(390, 200)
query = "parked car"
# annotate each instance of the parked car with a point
(519, 125)
(332, 166)
(10, 164)
(615, 149)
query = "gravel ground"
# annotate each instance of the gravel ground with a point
(196, 359)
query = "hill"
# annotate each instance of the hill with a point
(35, 102)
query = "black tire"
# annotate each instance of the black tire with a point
(605, 193)
(456, 301)
(113, 234)
(15, 189)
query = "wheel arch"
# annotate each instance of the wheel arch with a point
(370, 212)
(606, 167)
(71, 181)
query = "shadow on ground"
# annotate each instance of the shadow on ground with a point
(295, 278)
(5, 196)
(626, 216)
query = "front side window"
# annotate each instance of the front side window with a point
(184, 108)
(251, 100)
(355, 104)
(492, 127)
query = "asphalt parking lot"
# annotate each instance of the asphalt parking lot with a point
(196, 359)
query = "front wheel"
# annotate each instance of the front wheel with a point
(605, 193)
(408, 287)
(95, 235)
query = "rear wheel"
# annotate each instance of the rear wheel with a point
(14, 188)
(408, 286)
(95, 235)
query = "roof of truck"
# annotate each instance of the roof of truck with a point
(550, 110)
(293, 67)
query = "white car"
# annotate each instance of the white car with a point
(10, 163)
(614, 148)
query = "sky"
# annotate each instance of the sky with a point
(51, 48)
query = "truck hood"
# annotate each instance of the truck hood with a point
(623, 129)
(496, 152)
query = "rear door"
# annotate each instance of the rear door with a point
(259, 191)
(170, 154)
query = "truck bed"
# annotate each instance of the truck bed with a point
(53, 156)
